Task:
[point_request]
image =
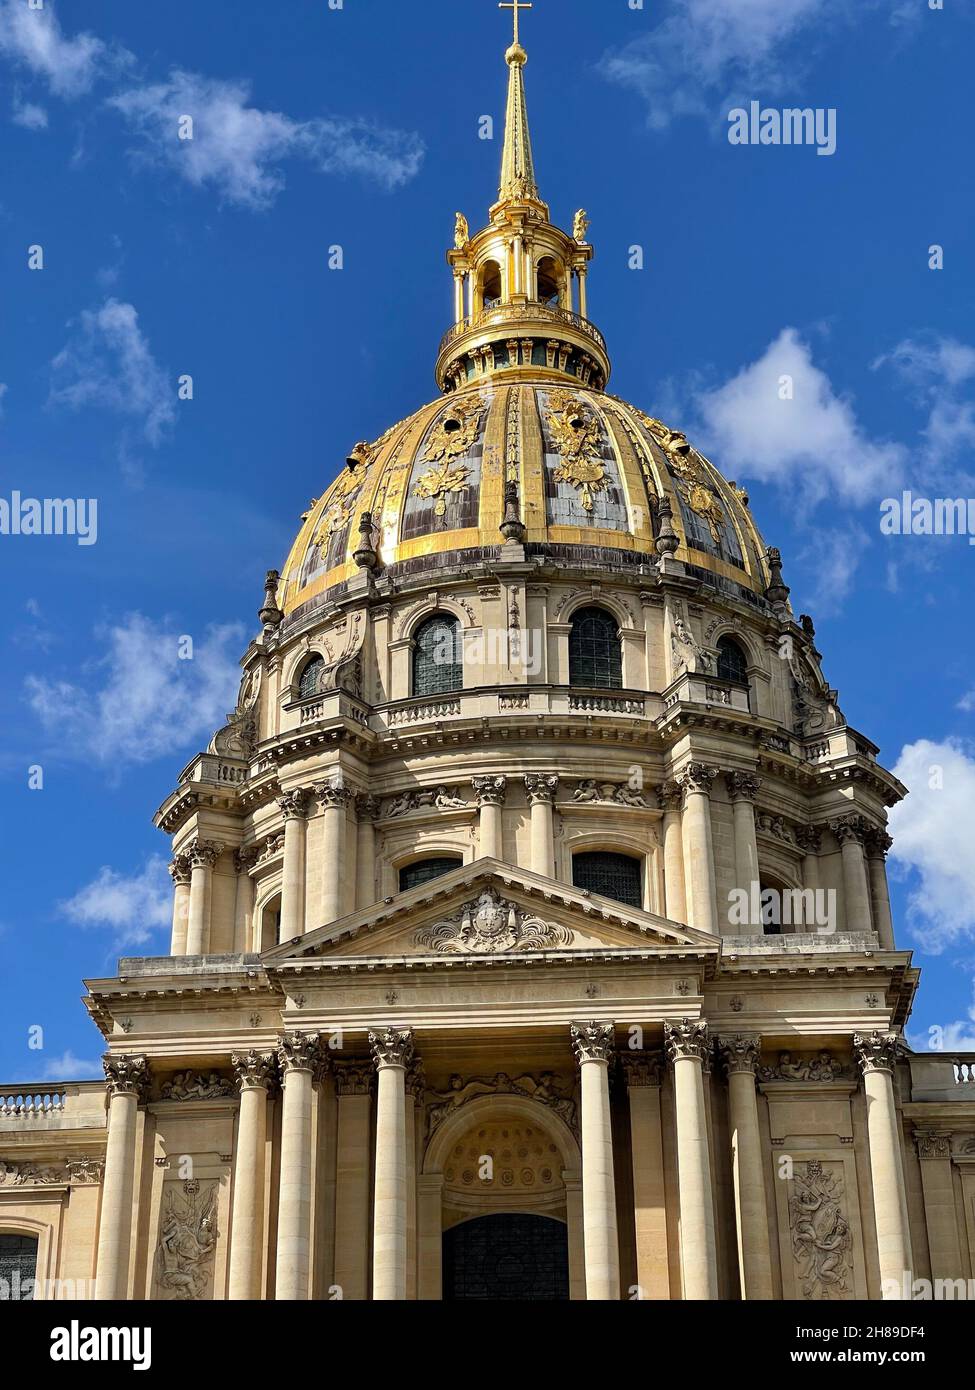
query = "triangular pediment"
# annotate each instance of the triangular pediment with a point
(488, 909)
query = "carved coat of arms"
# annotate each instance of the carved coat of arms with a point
(490, 923)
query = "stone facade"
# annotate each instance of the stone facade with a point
(699, 1087)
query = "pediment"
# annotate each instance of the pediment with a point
(488, 910)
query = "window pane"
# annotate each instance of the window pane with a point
(615, 876)
(437, 666)
(18, 1267)
(423, 871)
(595, 659)
(732, 665)
(310, 676)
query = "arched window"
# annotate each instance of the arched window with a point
(310, 677)
(412, 875)
(437, 656)
(615, 876)
(490, 285)
(548, 282)
(18, 1267)
(732, 662)
(595, 657)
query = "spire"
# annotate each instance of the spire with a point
(517, 165)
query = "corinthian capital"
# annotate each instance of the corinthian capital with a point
(687, 1037)
(125, 1074)
(697, 777)
(740, 1054)
(593, 1042)
(392, 1047)
(180, 869)
(670, 796)
(489, 791)
(878, 842)
(541, 787)
(366, 806)
(353, 1078)
(849, 829)
(809, 838)
(254, 1069)
(742, 786)
(203, 854)
(301, 1052)
(332, 794)
(294, 805)
(932, 1144)
(642, 1069)
(876, 1051)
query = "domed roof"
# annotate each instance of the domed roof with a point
(590, 472)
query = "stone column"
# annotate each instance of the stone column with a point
(594, 1046)
(699, 884)
(643, 1071)
(334, 800)
(367, 809)
(392, 1053)
(877, 844)
(127, 1078)
(743, 789)
(301, 1059)
(489, 793)
(244, 900)
(415, 1092)
(940, 1211)
(180, 871)
(741, 1057)
(877, 1055)
(353, 1085)
(458, 295)
(202, 856)
(671, 796)
(293, 808)
(541, 789)
(856, 895)
(687, 1044)
(810, 841)
(255, 1075)
(583, 306)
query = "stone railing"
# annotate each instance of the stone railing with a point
(334, 704)
(698, 688)
(799, 944)
(501, 314)
(215, 769)
(489, 702)
(52, 1105)
(946, 1076)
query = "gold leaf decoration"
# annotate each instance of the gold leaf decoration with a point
(576, 436)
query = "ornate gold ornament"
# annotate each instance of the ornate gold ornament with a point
(691, 479)
(452, 436)
(575, 434)
(343, 495)
(462, 234)
(580, 225)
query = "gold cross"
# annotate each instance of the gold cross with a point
(515, 6)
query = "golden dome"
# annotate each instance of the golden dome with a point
(428, 496)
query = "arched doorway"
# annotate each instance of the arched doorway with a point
(507, 1255)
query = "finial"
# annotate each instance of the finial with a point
(269, 614)
(512, 526)
(365, 552)
(515, 6)
(667, 538)
(777, 593)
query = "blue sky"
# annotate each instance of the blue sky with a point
(358, 127)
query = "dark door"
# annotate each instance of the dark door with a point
(506, 1256)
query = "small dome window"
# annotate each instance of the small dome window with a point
(438, 656)
(310, 681)
(595, 656)
(732, 662)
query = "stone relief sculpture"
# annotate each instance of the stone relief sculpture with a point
(189, 1085)
(686, 653)
(822, 1067)
(821, 1240)
(187, 1241)
(491, 923)
(439, 797)
(618, 793)
(548, 1089)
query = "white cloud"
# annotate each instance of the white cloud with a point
(710, 49)
(939, 373)
(140, 701)
(29, 115)
(108, 362)
(33, 40)
(812, 443)
(3, 391)
(68, 1067)
(833, 559)
(932, 832)
(238, 149)
(967, 701)
(133, 906)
